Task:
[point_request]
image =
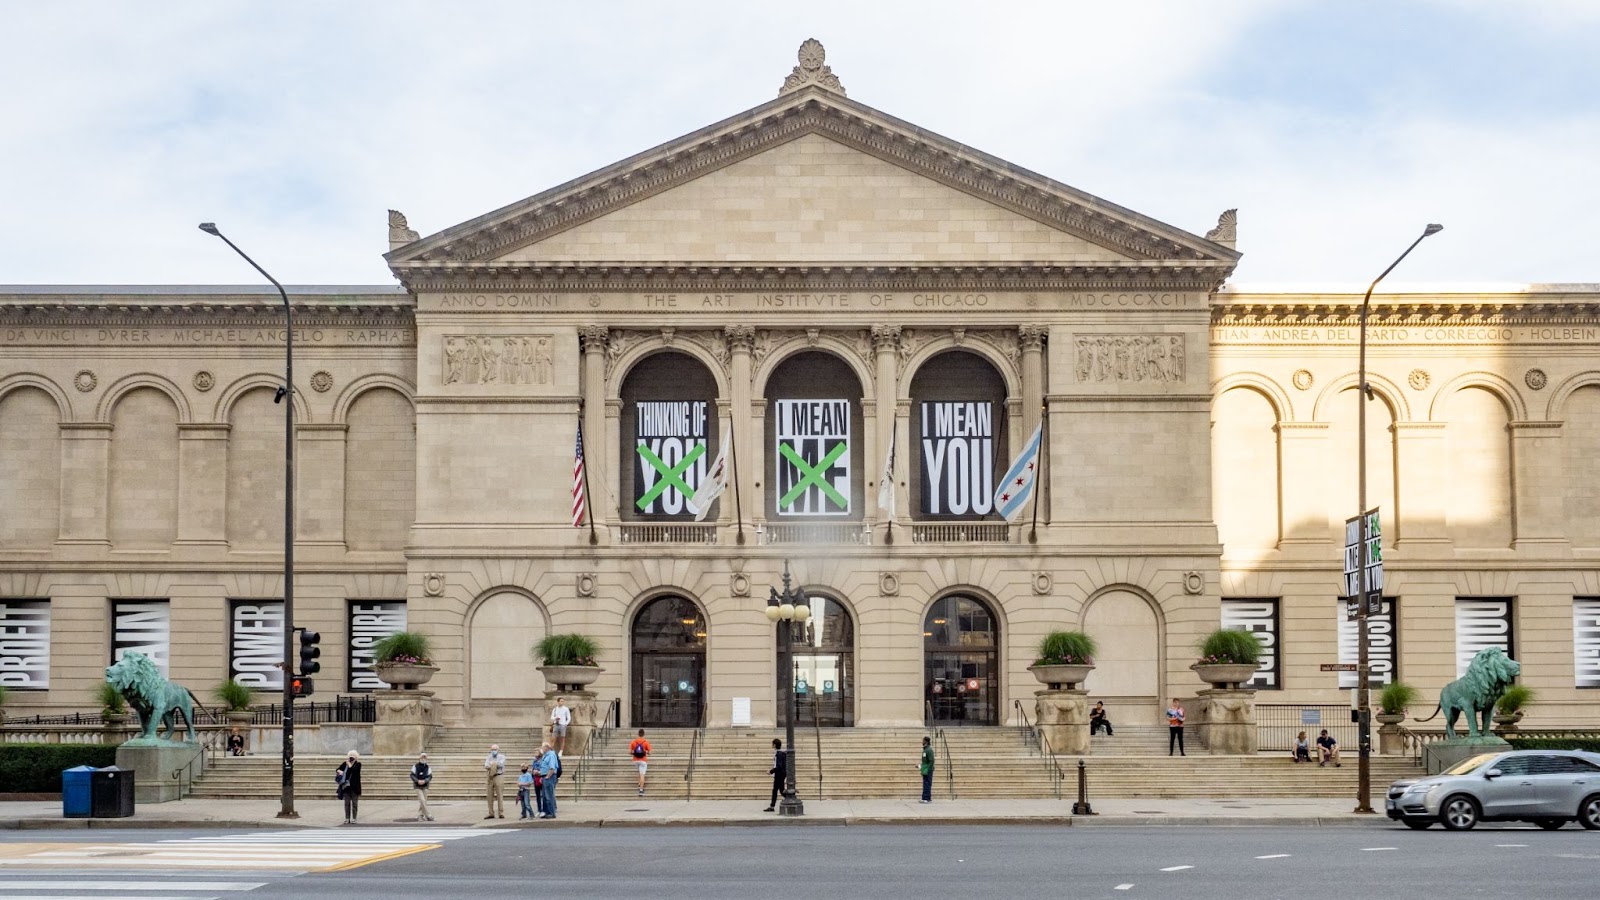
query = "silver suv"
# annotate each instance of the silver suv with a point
(1546, 787)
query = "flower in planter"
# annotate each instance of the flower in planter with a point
(403, 648)
(1229, 646)
(1066, 648)
(568, 650)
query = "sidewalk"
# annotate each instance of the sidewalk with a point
(322, 812)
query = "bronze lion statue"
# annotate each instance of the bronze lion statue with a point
(1476, 692)
(151, 695)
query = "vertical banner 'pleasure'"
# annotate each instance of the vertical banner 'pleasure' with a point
(370, 622)
(957, 443)
(812, 457)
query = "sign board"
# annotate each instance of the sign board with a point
(1586, 642)
(1481, 623)
(1340, 667)
(957, 458)
(255, 644)
(739, 716)
(142, 626)
(25, 644)
(671, 456)
(812, 457)
(1383, 645)
(1259, 617)
(370, 621)
(1373, 557)
(972, 684)
(1310, 717)
(938, 687)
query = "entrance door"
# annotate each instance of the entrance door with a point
(824, 667)
(960, 663)
(669, 664)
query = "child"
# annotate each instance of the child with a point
(524, 788)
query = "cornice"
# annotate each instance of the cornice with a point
(68, 311)
(1418, 314)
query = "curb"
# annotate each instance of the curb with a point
(1097, 821)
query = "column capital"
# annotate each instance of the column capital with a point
(1033, 336)
(593, 337)
(740, 337)
(886, 338)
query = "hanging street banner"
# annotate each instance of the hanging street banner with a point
(255, 645)
(370, 622)
(813, 457)
(670, 442)
(1586, 641)
(1481, 623)
(1383, 648)
(1259, 617)
(25, 644)
(142, 626)
(1373, 556)
(957, 459)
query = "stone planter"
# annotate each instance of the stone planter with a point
(404, 676)
(1061, 676)
(238, 717)
(1389, 743)
(117, 720)
(1390, 719)
(1505, 723)
(570, 678)
(1225, 675)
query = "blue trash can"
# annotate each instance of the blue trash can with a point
(75, 802)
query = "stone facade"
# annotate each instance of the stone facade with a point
(1199, 444)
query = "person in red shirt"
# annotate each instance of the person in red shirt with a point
(639, 749)
(1175, 717)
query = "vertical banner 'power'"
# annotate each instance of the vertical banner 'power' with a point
(812, 457)
(255, 646)
(957, 459)
(670, 443)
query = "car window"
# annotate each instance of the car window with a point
(1515, 765)
(1469, 765)
(1571, 764)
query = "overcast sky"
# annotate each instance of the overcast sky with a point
(1337, 128)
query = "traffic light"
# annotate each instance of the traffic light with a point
(309, 651)
(302, 685)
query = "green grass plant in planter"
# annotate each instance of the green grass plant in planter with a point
(233, 696)
(1396, 697)
(1230, 646)
(111, 701)
(1069, 648)
(406, 648)
(1514, 699)
(568, 650)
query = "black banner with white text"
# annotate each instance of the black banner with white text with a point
(671, 456)
(255, 643)
(1260, 617)
(1383, 644)
(142, 626)
(957, 443)
(812, 457)
(370, 622)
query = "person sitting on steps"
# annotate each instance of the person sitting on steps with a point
(1301, 751)
(1328, 748)
(1098, 719)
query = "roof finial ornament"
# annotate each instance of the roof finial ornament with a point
(400, 233)
(1227, 230)
(811, 70)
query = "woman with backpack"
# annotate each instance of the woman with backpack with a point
(640, 750)
(348, 779)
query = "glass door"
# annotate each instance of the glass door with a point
(668, 692)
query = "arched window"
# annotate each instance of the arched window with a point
(668, 644)
(669, 435)
(958, 433)
(813, 439)
(960, 662)
(824, 667)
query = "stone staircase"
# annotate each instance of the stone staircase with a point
(856, 763)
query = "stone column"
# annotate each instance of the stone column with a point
(1032, 337)
(598, 441)
(1422, 530)
(1063, 719)
(405, 722)
(202, 483)
(747, 440)
(886, 344)
(1536, 480)
(1228, 720)
(85, 477)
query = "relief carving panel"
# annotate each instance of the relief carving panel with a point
(486, 359)
(1129, 358)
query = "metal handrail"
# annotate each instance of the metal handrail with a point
(1052, 765)
(1029, 735)
(816, 729)
(694, 755)
(949, 763)
(599, 736)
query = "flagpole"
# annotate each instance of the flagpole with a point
(588, 495)
(997, 457)
(888, 535)
(733, 448)
(1038, 474)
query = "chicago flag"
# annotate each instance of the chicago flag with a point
(1017, 485)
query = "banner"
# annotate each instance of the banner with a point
(370, 622)
(255, 644)
(1016, 486)
(1259, 616)
(957, 459)
(670, 443)
(1481, 622)
(1383, 644)
(1586, 641)
(142, 626)
(25, 644)
(812, 457)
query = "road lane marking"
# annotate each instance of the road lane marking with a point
(1371, 849)
(358, 863)
(1176, 868)
(1511, 845)
(1273, 856)
(1124, 887)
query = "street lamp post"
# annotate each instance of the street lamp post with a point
(285, 393)
(789, 610)
(1363, 662)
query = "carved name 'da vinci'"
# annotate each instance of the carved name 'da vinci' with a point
(1129, 357)
(482, 359)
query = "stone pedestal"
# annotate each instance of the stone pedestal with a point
(162, 769)
(1389, 741)
(1228, 720)
(405, 722)
(1063, 719)
(586, 713)
(1441, 755)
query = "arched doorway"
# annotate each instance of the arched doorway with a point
(960, 662)
(669, 663)
(1127, 665)
(824, 667)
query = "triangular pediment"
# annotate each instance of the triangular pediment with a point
(812, 179)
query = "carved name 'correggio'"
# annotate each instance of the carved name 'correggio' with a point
(1129, 357)
(486, 359)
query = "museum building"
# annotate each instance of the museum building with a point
(821, 298)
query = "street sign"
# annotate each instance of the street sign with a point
(1372, 557)
(1338, 667)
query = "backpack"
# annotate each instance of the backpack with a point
(338, 783)
(638, 749)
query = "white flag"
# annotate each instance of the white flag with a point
(711, 486)
(886, 483)
(1017, 486)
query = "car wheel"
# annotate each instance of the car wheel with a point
(1589, 812)
(1418, 824)
(1550, 824)
(1460, 813)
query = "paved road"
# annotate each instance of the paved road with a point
(924, 862)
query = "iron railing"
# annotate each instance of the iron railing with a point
(1277, 724)
(694, 754)
(960, 533)
(667, 534)
(949, 763)
(358, 709)
(817, 533)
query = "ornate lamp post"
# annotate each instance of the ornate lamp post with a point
(1363, 664)
(284, 393)
(789, 610)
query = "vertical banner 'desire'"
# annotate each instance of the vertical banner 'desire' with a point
(812, 457)
(957, 444)
(255, 643)
(1260, 617)
(670, 445)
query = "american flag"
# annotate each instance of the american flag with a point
(580, 500)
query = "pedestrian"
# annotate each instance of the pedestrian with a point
(1302, 749)
(1099, 719)
(236, 743)
(926, 768)
(494, 767)
(560, 718)
(779, 769)
(1175, 717)
(421, 777)
(549, 773)
(525, 793)
(1328, 749)
(640, 751)
(348, 777)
